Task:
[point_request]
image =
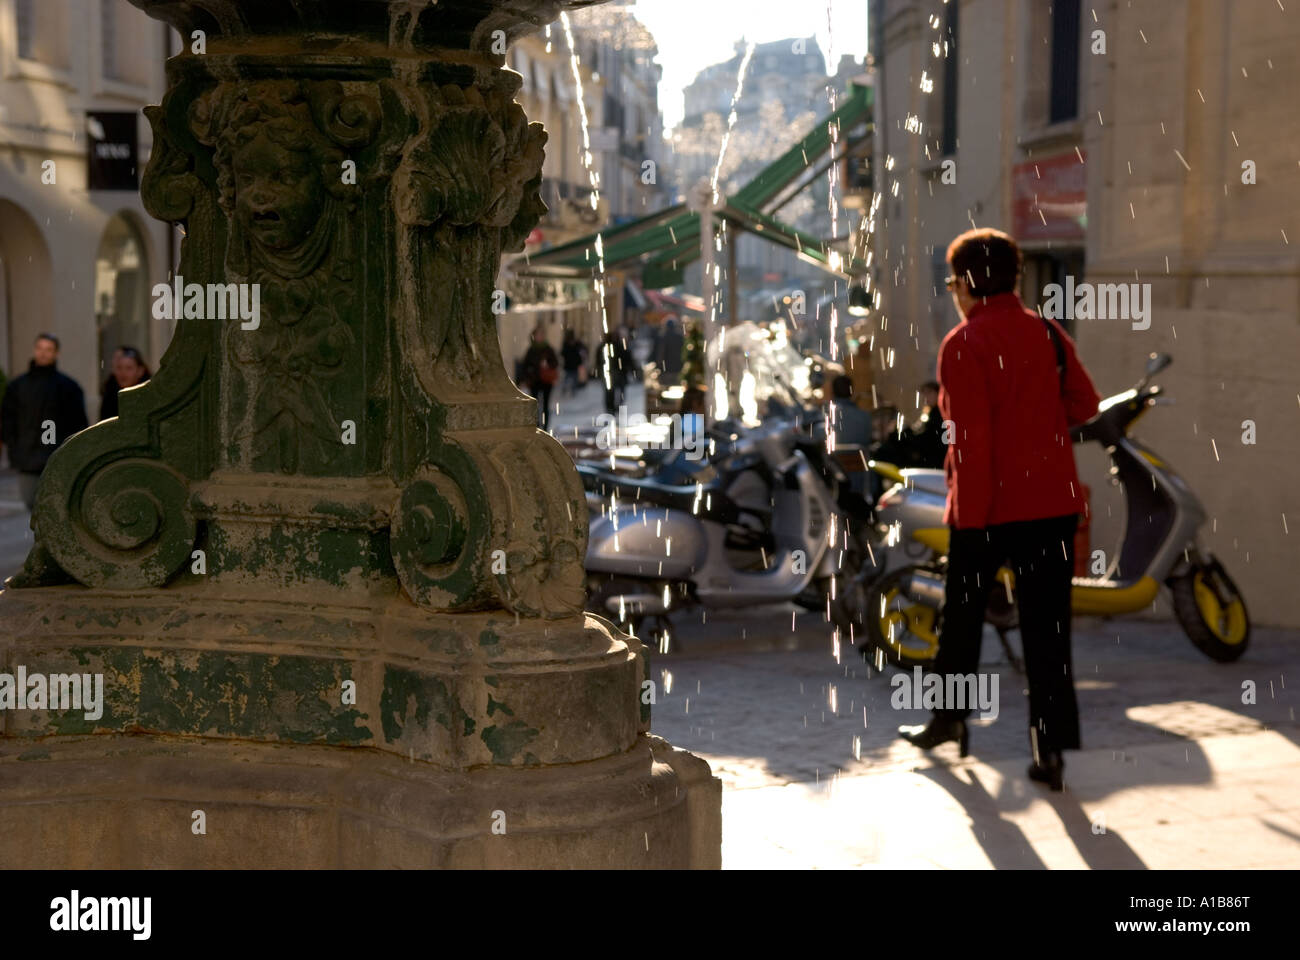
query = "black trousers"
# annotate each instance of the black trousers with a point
(615, 397)
(543, 395)
(1041, 554)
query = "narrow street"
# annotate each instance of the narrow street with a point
(1175, 767)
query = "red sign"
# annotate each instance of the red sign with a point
(1049, 198)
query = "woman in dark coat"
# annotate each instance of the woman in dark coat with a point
(129, 369)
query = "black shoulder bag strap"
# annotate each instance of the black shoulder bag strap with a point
(1060, 351)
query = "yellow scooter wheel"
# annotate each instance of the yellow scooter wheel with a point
(897, 628)
(1212, 612)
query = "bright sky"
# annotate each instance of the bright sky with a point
(695, 33)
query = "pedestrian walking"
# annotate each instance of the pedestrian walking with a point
(668, 353)
(616, 368)
(541, 371)
(41, 409)
(1013, 490)
(573, 352)
(735, 362)
(129, 370)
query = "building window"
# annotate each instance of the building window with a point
(948, 141)
(1064, 102)
(40, 32)
(1042, 269)
(108, 39)
(25, 13)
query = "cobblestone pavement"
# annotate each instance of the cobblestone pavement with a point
(814, 774)
(15, 526)
(761, 694)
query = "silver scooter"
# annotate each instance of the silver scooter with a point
(767, 519)
(1159, 546)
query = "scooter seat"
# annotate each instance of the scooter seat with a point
(688, 497)
(927, 481)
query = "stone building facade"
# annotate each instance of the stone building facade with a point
(75, 261)
(1151, 143)
(785, 93)
(620, 87)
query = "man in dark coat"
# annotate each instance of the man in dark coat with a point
(41, 409)
(668, 353)
(574, 355)
(616, 367)
(541, 369)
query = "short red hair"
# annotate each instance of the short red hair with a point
(988, 260)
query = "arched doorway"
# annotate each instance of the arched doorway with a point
(121, 291)
(26, 287)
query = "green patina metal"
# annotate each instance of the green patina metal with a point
(412, 699)
(507, 741)
(214, 694)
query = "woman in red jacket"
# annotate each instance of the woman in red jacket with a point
(1013, 490)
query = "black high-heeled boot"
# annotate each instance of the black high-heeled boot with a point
(938, 730)
(1048, 766)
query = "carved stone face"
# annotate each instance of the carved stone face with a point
(278, 195)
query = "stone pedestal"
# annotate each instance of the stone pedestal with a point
(329, 571)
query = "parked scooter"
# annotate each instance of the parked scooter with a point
(765, 519)
(1159, 546)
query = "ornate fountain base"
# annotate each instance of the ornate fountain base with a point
(270, 733)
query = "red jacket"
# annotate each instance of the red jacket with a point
(1011, 457)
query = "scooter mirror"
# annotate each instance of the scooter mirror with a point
(1157, 362)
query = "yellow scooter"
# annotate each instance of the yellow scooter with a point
(901, 617)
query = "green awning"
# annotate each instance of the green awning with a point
(663, 243)
(774, 178)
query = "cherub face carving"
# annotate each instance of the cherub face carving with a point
(278, 195)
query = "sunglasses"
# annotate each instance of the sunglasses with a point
(950, 282)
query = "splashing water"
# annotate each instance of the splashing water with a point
(720, 385)
(832, 172)
(593, 178)
(732, 117)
